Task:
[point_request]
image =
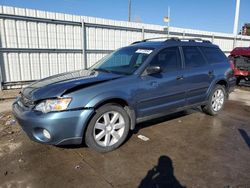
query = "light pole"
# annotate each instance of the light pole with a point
(166, 19)
(236, 17)
(129, 10)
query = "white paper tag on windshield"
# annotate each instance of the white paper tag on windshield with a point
(143, 51)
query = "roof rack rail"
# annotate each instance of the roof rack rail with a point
(174, 39)
(136, 42)
(148, 39)
(195, 40)
(155, 38)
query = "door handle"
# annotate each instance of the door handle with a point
(180, 77)
(210, 73)
(154, 84)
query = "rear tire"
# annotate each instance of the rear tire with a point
(108, 128)
(216, 101)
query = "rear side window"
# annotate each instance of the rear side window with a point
(213, 55)
(193, 57)
(168, 59)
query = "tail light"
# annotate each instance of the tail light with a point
(232, 64)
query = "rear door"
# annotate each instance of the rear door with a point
(198, 74)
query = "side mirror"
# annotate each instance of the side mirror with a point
(153, 69)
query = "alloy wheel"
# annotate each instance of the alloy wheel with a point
(109, 128)
(218, 100)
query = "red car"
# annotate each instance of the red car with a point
(240, 61)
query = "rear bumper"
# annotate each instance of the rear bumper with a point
(65, 127)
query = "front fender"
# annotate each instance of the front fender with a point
(98, 99)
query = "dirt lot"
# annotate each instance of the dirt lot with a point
(186, 149)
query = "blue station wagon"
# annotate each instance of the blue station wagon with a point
(145, 80)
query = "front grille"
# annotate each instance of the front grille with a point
(25, 101)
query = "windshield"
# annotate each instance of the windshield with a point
(123, 61)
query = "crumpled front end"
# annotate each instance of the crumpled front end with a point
(55, 128)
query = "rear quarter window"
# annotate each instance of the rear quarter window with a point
(214, 55)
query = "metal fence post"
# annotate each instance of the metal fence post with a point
(234, 41)
(84, 37)
(143, 33)
(184, 34)
(241, 39)
(213, 38)
(1, 77)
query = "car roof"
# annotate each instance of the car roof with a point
(172, 42)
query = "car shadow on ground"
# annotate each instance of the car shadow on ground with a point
(161, 176)
(169, 117)
(143, 125)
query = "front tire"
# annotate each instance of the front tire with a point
(216, 101)
(108, 128)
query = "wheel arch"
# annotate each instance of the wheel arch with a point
(122, 102)
(115, 99)
(222, 82)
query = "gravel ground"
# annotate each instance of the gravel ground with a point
(9, 94)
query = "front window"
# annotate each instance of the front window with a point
(168, 59)
(123, 61)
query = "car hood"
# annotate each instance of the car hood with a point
(58, 85)
(245, 51)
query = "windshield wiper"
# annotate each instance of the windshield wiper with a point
(110, 71)
(102, 70)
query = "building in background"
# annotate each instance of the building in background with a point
(246, 29)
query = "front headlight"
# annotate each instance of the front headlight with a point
(53, 105)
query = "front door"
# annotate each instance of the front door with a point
(162, 91)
